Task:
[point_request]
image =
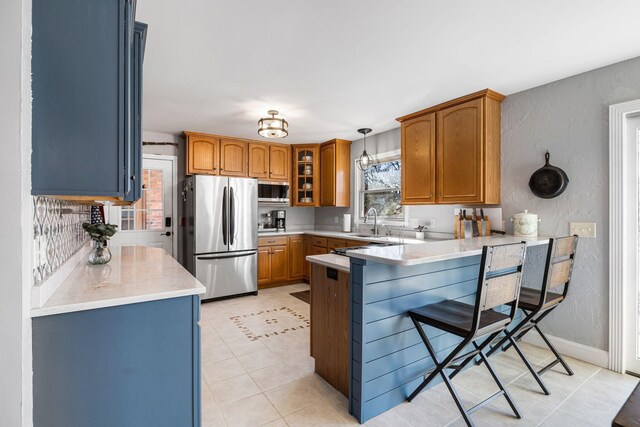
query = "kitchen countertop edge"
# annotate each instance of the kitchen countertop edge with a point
(338, 262)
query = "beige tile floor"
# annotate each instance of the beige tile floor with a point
(257, 371)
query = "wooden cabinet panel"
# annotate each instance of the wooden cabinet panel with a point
(336, 243)
(335, 173)
(233, 157)
(272, 240)
(418, 153)
(264, 265)
(279, 162)
(307, 251)
(460, 154)
(279, 263)
(319, 241)
(296, 257)
(202, 154)
(258, 160)
(318, 250)
(330, 327)
(327, 174)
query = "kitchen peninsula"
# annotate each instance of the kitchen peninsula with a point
(387, 359)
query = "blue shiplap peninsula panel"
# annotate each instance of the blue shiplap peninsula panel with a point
(130, 365)
(388, 357)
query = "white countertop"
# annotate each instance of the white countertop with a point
(437, 251)
(338, 262)
(134, 274)
(343, 235)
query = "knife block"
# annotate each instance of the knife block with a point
(458, 227)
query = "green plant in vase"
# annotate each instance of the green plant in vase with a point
(100, 234)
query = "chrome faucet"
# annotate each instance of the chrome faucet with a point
(375, 220)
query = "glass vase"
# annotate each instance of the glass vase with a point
(99, 254)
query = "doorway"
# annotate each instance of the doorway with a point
(151, 220)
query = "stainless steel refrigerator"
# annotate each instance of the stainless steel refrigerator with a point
(222, 234)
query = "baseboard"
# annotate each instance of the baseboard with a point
(592, 355)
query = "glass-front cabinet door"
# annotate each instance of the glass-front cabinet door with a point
(306, 179)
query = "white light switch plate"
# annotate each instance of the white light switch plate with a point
(583, 229)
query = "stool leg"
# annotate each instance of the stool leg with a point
(529, 367)
(510, 401)
(555, 352)
(439, 366)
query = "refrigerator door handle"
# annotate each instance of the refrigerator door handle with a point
(231, 255)
(232, 216)
(224, 216)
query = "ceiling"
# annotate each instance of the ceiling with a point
(333, 66)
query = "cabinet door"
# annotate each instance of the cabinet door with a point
(460, 153)
(279, 263)
(264, 265)
(318, 250)
(258, 160)
(233, 158)
(307, 264)
(419, 160)
(279, 162)
(328, 175)
(296, 257)
(203, 154)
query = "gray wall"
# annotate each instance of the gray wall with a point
(15, 214)
(570, 119)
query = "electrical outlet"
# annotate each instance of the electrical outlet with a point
(432, 224)
(335, 219)
(583, 229)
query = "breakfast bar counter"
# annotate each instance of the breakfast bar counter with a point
(388, 358)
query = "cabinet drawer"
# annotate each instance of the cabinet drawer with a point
(336, 243)
(269, 241)
(319, 241)
(318, 250)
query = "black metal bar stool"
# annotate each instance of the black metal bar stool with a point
(536, 304)
(498, 285)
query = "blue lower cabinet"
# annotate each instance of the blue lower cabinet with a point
(130, 365)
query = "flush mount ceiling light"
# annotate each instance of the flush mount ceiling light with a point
(365, 160)
(272, 127)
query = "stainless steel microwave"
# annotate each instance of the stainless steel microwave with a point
(273, 193)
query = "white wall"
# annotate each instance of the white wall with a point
(15, 214)
(298, 218)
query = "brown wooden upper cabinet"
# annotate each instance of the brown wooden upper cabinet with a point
(203, 153)
(258, 160)
(335, 170)
(233, 157)
(418, 150)
(305, 185)
(451, 152)
(279, 162)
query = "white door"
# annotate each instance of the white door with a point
(632, 310)
(151, 220)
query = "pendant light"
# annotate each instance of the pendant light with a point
(272, 127)
(365, 160)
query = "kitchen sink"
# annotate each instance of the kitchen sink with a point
(369, 236)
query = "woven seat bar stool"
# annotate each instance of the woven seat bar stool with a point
(498, 285)
(536, 304)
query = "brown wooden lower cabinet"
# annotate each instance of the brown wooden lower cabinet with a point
(330, 326)
(273, 264)
(296, 257)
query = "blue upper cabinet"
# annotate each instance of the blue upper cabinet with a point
(87, 85)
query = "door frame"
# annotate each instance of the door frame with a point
(622, 248)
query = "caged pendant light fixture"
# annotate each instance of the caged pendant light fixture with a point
(273, 127)
(365, 160)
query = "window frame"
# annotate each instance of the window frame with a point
(359, 190)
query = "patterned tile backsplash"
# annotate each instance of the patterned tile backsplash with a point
(57, 234)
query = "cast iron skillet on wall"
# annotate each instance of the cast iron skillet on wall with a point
(548, 181)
